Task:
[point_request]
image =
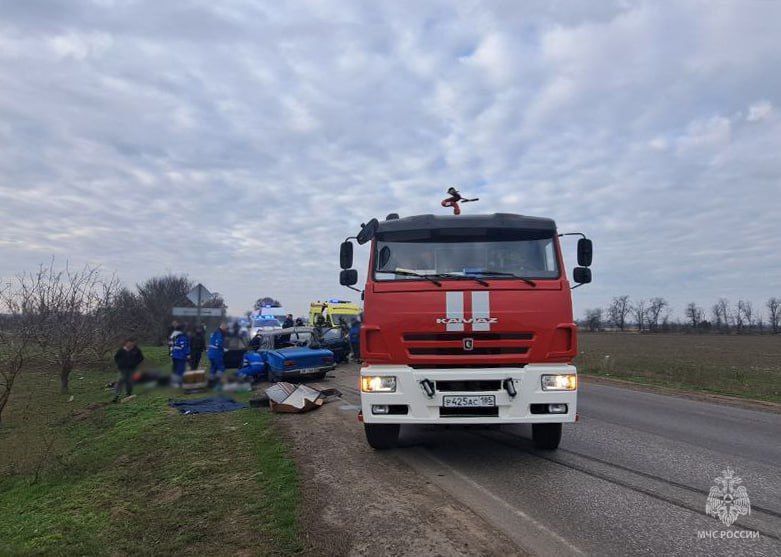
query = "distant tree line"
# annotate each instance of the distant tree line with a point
(654, 315)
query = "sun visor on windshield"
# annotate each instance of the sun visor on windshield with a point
(464, 235)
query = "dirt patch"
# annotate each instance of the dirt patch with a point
(87, 411)
(358, 501)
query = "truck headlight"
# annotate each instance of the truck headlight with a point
(378, 384)
(568, 382)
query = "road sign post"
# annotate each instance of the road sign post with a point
(198, 295)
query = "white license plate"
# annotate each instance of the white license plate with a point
(468, 401)
(309, 371)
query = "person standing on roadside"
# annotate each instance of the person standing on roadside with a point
(355, 339)
(127, 358)
(285, 339)
(180, 351)
(197, 346)
(170, 336)
(216, 351)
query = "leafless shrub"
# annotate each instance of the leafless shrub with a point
(774, 310)
(158, 296)
(638, 310)
(594, 319)
(16, 339)
(721, 314)
(72, 314)
(694, 314)
(618, 311)
(656, 312)
(744, 315)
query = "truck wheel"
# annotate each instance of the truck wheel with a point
(546, 436)
(382, 436)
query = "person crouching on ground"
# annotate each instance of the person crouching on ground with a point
(355, 339)
(180, 351)
(127, 358)
(216, 352)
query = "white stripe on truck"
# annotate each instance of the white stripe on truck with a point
(454, 309)
(481, 310)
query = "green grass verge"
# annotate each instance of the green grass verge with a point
(136, 478)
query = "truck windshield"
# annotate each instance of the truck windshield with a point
(533, 258)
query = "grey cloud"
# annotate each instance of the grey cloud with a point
(243, 140)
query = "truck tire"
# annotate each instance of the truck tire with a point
(382, 436)
(546, 436)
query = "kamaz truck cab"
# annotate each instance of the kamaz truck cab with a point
(467, 320)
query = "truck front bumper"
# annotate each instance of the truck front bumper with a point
(412, 404)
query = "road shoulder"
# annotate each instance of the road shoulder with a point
(359, 501)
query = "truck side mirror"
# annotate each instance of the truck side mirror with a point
(346, 255)
(585, 252)
(581, 275)
(367, 232)
(348, 277)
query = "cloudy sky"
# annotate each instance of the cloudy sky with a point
(239, 141)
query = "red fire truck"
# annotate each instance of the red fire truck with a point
(467, 320)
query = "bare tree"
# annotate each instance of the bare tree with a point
(594, 319)
(16, 340)
(638, 310)
(774, 309)
(744, 315)
(721, 314)
(159, 296)
(656, 307)
(618, 310)
(694, 314)
(68, 312)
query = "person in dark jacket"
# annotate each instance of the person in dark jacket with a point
(355, 339)
(287, 324)
(127, 358)
(197, 346)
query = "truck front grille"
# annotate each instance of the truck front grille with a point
(500, 347)
(459, 337)
(459, 351)
(469, 386)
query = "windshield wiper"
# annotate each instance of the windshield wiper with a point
(462, 277)
(530, 282)
(408, 273)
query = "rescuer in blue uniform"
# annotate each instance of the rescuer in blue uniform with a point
(252, 366)
(180, 351)
(216, 351)
(355, 339)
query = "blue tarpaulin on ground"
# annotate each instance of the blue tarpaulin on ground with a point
(209, 405)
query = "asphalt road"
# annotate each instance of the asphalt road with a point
(631, 477)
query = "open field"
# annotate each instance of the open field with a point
(739, 365)
(87, 477)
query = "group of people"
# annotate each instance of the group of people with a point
(188, 347)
